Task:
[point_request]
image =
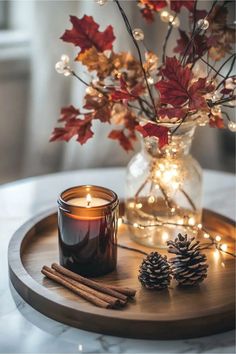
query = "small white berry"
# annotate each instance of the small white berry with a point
(59, 67)
(65, 59)
(101, 2)
(138, 34)
(232, 126)
(203, 24)
(165, 16)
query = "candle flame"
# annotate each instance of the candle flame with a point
(88, 199)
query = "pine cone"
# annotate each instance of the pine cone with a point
(155, 271)
(189, 266)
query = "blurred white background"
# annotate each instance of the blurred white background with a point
(32, 93)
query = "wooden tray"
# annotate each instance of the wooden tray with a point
(170, 314)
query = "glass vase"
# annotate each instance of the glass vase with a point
(164, 189)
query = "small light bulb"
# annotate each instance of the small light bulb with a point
(224, 247)
(138, 34)
(191, 221)
(150, 80)
(131, 205)
(151, 199)
(218, 238)
(206, 235)
(139, 205)
(165, 236)
(180, 222)
(199, 226)
(120, 221)
(135, 225)
(172, 210)
(232, 126)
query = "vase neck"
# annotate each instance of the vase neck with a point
(180, 143)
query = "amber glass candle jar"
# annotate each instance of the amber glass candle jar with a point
(87, 225)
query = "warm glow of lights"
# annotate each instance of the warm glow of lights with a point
(222, 265)
(165, 236)
(139, 205)
(216, 254)
(162, 167)
(191, 221)
(224, 247)
(206, 235)
(120, 221)
(218, 238)
(172, 210)
(131, 205)
(175, 185)
(151, 199)
(180, 222)
(135, 225)
(158, 173)
(88, 199)
(199, 226)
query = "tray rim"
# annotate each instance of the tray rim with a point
(22, 280)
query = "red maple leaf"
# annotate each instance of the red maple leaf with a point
(125, 93)
(123, 139)
(158, 131)
(176, 5)
(176, 88)
(68, 113)
(74, 127)
(101, 107)
(85, 34)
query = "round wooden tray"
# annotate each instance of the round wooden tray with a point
(170, 314)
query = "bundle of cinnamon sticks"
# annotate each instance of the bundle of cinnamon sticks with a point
(101, 295)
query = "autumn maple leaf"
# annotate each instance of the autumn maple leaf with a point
(101, 107)
(85, 34)
(68, 113)
(177, 86)
(125, 93)
(154, 130)
(174, 89)
(73, 126)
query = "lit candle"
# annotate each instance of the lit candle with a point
(87, 219)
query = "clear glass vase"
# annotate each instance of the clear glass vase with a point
(164, 189)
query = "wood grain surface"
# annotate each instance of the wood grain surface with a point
(175, 313)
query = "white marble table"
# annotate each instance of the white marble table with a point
(24, 330)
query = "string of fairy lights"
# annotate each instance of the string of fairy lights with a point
(213, 240)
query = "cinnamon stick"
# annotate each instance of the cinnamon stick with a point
(89, 297)
(126, 291)
(89, 282)
(113, 301)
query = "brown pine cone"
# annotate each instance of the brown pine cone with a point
(189, 267)
(154, 272)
